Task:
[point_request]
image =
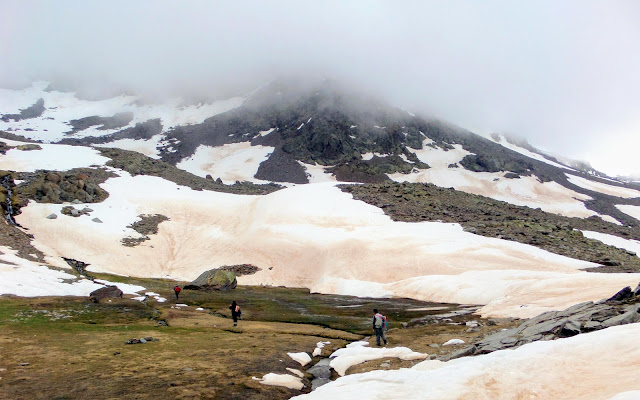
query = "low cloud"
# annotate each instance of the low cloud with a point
(561, 74)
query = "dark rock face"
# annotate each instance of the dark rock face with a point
(214, 279)
(103, 123)
(107, 292)
(142, 130)
(281, 167)
(33, 111)
(623, 308)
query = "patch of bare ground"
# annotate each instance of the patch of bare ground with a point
(72, 348)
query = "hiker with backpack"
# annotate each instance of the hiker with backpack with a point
(379, 326)
(236, 313)
(176, 290)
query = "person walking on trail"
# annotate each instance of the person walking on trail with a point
(176, 290)
(379, 326)
(235, 312)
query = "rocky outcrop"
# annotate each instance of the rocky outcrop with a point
(240, 269)
(147, 225)
(623, 308)
(107, 292)
(214, 279)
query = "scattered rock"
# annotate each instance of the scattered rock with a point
(98, 220)
(141, 340)
(52, 216)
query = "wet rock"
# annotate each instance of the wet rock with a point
(321, 369)
(316, 383)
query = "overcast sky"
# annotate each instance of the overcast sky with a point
(563, 74)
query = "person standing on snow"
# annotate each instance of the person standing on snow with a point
(176, 290)
(235, 312)
(379, 326)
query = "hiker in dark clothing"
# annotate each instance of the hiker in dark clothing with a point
(235, 312)
(379, 326)
(176, 290)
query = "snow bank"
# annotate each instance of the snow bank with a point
(453, 342)
(343, 359)
(52, 156)
(597, 365)
(317, 173)
(633, 211)
(26, 278)
(302, 358)
(611, 240)
(603, 187)
(504, 143)
(286, 380)
(148, 147)
(318, 350)
(231, 162)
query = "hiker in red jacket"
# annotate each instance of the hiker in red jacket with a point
(177, 290)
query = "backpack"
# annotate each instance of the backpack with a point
(381, 321)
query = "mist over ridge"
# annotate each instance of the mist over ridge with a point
(562, 75)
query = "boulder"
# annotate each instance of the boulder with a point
(107, 292)
(214, 279)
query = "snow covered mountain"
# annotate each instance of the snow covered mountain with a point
(318, 188)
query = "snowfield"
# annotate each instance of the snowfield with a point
(230, 162)
(148, 147)
(62, 107)
(525, 191)
(633, 211)
(52, 156)
(504, 143)
(611, 240)
(603, 187)
(26, 278)
(314, 236)
(597, 365)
